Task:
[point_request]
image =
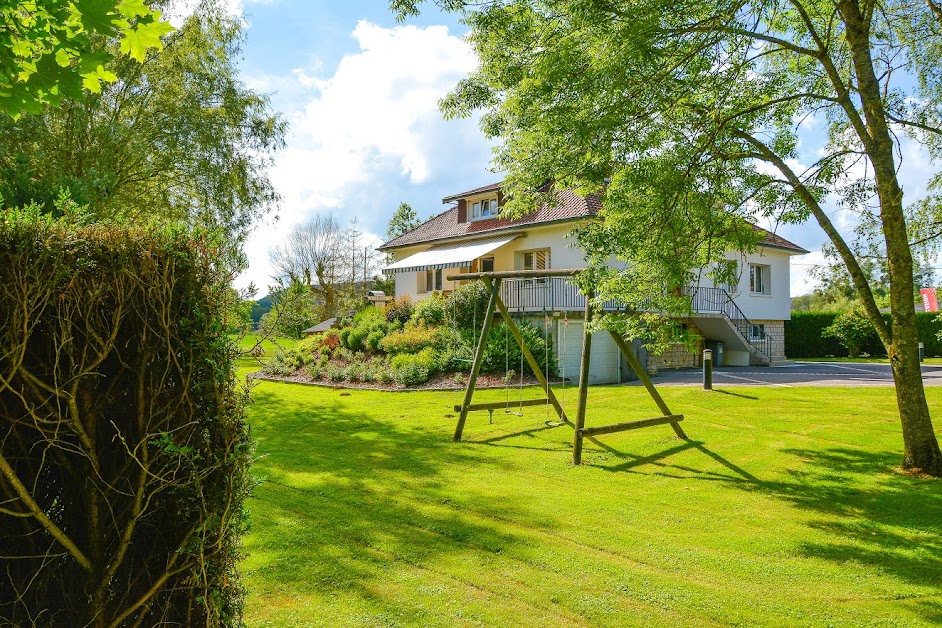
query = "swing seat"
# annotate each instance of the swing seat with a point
(499, 405)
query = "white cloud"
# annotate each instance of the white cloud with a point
(372, 125)
(801, 265)
(380, 101)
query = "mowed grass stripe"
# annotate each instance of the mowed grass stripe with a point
(652, 533)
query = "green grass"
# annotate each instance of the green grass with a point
(783, 509)
(248, 363)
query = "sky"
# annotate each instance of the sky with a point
(360, 93)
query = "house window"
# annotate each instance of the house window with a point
(433, 280)
(487, 264)
(760, 279)
(758, 332)
(536, 260)
(484, 209)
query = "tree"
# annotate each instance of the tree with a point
(314, 256)
(177, 138)
(51, 49)
(852, 329)
(331, 261)
(294, 309)
(403, 220)
(687, 120)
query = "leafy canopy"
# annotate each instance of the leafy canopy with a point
(686, 118)
(52, 49)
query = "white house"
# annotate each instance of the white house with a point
(747, 320)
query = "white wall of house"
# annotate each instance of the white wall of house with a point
(776, 303)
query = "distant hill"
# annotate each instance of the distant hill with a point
(261, 308)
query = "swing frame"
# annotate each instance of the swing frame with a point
(495, 304)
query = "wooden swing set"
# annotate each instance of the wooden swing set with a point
(493, 282)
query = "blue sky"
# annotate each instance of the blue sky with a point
(360, 93)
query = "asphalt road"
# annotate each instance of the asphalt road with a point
(796, 374)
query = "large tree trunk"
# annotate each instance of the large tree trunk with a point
(921, 447)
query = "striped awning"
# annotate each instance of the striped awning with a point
(448, 255)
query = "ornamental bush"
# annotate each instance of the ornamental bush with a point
(124, 457)
(852, 329)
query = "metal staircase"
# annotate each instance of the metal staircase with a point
(718, 301)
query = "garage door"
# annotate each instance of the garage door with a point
(603, 364)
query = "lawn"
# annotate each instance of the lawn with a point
(783, 509)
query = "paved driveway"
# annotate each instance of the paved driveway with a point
(796, 374)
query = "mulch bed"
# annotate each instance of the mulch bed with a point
(439, 382)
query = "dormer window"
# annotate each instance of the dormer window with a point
(484, 209)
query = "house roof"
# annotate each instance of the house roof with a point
(569, 206)
(445, 226)
(778, 242)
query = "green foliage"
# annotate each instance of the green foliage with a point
(466, 306)
(852, 329)
(125, 452)
(52, 49)
(804, 335)
(178, 138)
(410, 339)
(411, 369)
(403, 220)
(293, 311)
(399, 309)
(431, 311)
(501, 351)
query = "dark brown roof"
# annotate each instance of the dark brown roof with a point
(778, 242)
(493, 187)
(569, 207)
(445, 226)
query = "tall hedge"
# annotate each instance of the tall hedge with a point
(123, 451)
(803, 336)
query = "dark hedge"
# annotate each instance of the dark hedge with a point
(803, 336)
(124, 453)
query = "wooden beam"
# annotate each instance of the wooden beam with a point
(500, 405)
(517, 274)
(583, 381)
(534, 365)
(478, 356)
(643, 376)
(631, 425)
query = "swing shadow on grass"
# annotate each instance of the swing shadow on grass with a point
(869, 514)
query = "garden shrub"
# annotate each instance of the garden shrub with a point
(501, 350)
(852, 329)
(410, 339)
(804, 336)
(411, 374)
(466, 306)
(124, 448)
(431, 311)
(399, 310)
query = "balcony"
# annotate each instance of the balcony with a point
(714, 310)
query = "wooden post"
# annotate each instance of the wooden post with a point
(583, 382)
(643, 376)
(534, 365)
(478, 355)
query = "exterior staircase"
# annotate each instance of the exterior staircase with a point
(720, 318)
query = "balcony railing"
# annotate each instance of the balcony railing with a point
(559, 294)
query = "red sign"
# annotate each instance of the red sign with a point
(929, 301)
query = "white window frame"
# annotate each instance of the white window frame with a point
(484, 209)
(757, 331)
(760, 279)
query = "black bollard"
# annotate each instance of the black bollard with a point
(707, 369)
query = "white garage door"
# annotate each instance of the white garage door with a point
(603, 364)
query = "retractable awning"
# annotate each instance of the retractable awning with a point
(448, 255)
